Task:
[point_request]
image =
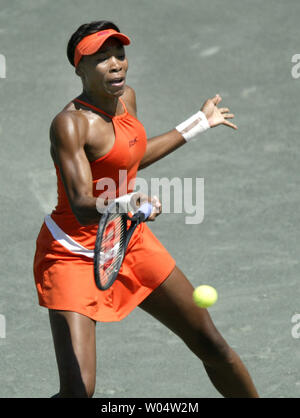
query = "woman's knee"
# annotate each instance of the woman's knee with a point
(74, 393)
(212, 349)
(88, 392)
(89, 383)
(79, 386)
(74, 341)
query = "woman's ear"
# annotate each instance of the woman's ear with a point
(79, 72)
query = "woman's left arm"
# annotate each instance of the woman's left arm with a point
(162, 145)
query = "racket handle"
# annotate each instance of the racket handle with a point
(146, 209)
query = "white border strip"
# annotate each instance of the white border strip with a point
(65, 240)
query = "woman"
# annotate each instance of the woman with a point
(95, 136)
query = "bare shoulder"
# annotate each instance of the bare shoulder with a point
(129, 98)
(69, 125)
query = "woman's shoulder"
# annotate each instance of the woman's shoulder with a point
(68, 122)
(74, 114)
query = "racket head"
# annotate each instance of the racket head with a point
(110, 246)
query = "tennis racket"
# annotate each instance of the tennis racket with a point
(112, 239)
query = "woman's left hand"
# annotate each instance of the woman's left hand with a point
(137, 199)
(217, 116)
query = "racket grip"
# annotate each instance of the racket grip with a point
(146, 209)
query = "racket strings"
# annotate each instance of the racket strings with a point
(111, 250)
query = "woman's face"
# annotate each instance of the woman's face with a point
(104, 72)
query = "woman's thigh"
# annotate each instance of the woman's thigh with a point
(75, 349)
(172, 304)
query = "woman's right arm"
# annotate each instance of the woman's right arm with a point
(68, 135)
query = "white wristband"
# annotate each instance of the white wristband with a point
(193, 126)
(125, 202)
(125, 199)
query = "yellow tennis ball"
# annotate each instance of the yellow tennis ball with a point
(205, 296)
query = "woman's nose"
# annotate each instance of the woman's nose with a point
(115, 64)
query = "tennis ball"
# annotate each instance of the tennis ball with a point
(205, 296)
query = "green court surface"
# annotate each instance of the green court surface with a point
(247, 246)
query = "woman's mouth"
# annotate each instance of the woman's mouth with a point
(117, 82)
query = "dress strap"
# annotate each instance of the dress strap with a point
(123, 104)
(100, 110)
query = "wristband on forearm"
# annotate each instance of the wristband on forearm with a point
(125, 199)
(193, 126)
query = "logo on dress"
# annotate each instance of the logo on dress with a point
(133, 141)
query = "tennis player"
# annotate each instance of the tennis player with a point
(93, 137)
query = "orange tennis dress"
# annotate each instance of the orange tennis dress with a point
(63, 262)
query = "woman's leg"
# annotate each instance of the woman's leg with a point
(75, 349)
(172, 304)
